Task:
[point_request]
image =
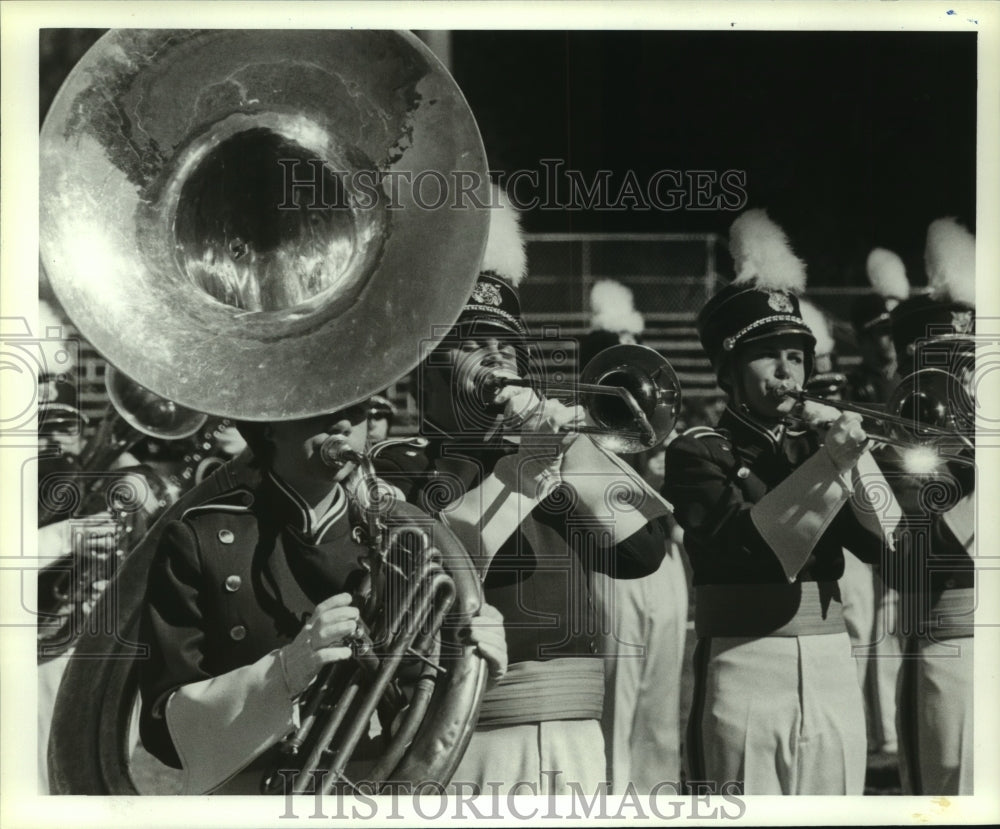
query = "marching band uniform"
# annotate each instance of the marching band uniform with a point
(544, 714)
(643, 620)
(938, 597)
(234, 580)
(536, 530)
(935, 570)
(766, 514)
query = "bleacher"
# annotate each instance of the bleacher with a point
(671, 276)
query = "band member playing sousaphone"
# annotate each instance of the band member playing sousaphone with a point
(533, 502)
(249, 596)
(767, 510)
(934, 335)
(232, 286)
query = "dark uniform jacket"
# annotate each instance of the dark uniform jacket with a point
(542, 589)
(233, 579)
(933, 555)
(713, 479)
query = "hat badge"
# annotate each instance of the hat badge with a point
(486, 294)
(961, 321)
(779, 301)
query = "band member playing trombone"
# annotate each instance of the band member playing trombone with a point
(249, 596)
(529, 498)
(766, 511)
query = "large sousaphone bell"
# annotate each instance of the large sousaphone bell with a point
(261, 225)
(251, 223)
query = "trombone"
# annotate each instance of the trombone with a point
(630, 392)
(922, 413)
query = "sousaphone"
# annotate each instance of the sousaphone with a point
(259, 225)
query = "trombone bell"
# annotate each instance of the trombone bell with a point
(933, 408)
(639, 416)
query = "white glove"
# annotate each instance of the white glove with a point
(818, 415)
(846, 441)
(321, 640)
(546, 429)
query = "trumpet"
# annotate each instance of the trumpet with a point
(923, 412)
(630, 392)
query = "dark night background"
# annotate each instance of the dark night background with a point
(850, 139)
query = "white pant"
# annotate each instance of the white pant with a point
(533, 759)
(870, 613)
(646, 627)
(935, 721)
(781, 714)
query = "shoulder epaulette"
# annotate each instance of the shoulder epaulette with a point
(239, 499)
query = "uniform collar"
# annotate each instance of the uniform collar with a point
(746, 429)
(297, 513)
(752, 439)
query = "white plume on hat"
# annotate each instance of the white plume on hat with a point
(887, 274)
(761, 253)
(612, 309)
(505, 254)
(817, 322)
(950, 258)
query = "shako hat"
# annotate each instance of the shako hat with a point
(613, 319)
(762, 301)
(887, 275)
(946, 314)
(494, 300)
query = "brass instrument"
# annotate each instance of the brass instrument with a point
(68, 587)
(929, 409)
(133, 411)
(224, 215)
(629, 391)
(420, 562)
(214, 203)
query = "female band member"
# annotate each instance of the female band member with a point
(766, 511)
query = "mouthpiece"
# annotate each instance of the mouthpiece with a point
(335, 452)
(492, 384)
(788, 390)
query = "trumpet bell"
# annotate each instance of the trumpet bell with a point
(232, 216)
(651, 382)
